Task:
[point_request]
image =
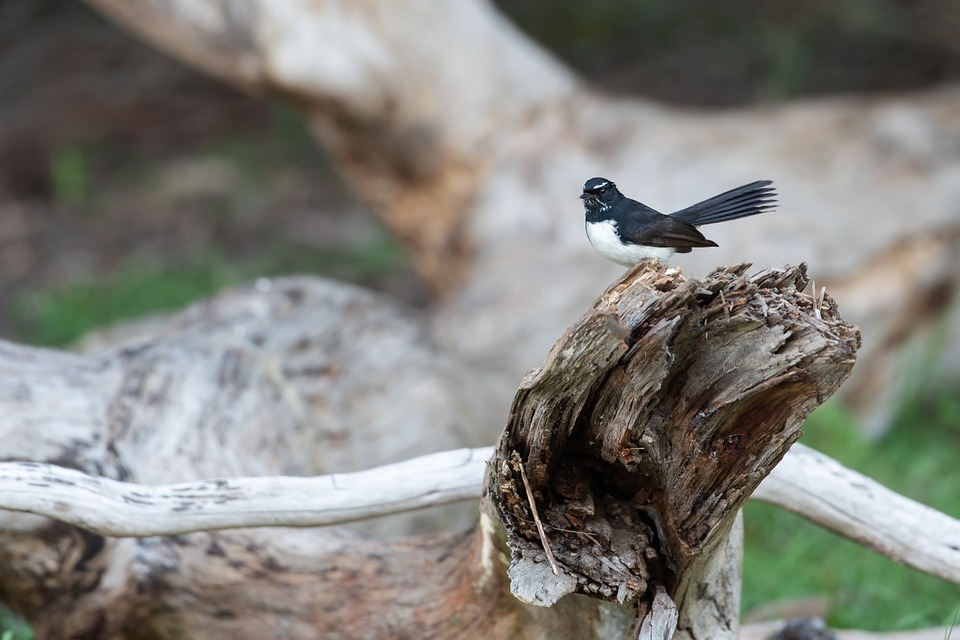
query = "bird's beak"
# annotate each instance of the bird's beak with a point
(584, 196)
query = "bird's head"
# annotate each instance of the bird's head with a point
(599, 193)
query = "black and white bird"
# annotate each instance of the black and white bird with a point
(626, 231)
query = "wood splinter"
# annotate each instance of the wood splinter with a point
(536, 519)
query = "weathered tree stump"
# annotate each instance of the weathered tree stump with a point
(652, 420)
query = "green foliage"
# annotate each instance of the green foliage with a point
(12, 627)
(287, 142)
(70, 174)
(86, 174)
(787, 558)
(137, 288)
(60, 316)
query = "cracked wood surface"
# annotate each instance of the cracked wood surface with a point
(652, 420)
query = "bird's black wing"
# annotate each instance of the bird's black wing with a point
(748, 200)
(662, 231)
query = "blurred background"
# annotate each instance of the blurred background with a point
(132, 184)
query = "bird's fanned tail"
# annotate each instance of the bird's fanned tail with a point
(748, 200)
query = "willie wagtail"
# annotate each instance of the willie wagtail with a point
(627, 231)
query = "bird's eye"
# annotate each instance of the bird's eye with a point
(602, 190)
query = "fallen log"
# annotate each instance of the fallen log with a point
(645, 429)
(476, 154)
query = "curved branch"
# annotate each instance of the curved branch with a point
(805, 482)
(122, 509)
(822, 490)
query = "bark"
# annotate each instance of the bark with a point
(472, 143)
(113, 508)
(652, 420)
(215, 394)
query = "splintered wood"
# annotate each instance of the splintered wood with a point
(653, 419)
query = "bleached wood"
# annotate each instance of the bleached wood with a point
(819, 488)
(647, 426)
(709, 598)
(661, 624)
(121, 509)
(806, 482)
(284, 377)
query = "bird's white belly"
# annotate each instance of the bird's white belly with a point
(603, 236)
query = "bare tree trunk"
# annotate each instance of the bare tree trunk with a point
(472, 143)
(640, 436)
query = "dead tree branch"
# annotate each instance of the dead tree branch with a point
(822, 490)
(805, 482)
(120, 509)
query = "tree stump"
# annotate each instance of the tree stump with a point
(652, 420)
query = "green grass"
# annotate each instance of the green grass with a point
(137, 288)
(787, 558)
(13, 627)
(81, 169)
(70, 174)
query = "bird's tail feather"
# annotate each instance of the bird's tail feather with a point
(748, 200)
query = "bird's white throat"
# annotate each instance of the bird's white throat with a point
(605, 239)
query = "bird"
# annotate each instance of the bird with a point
(627, 232)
